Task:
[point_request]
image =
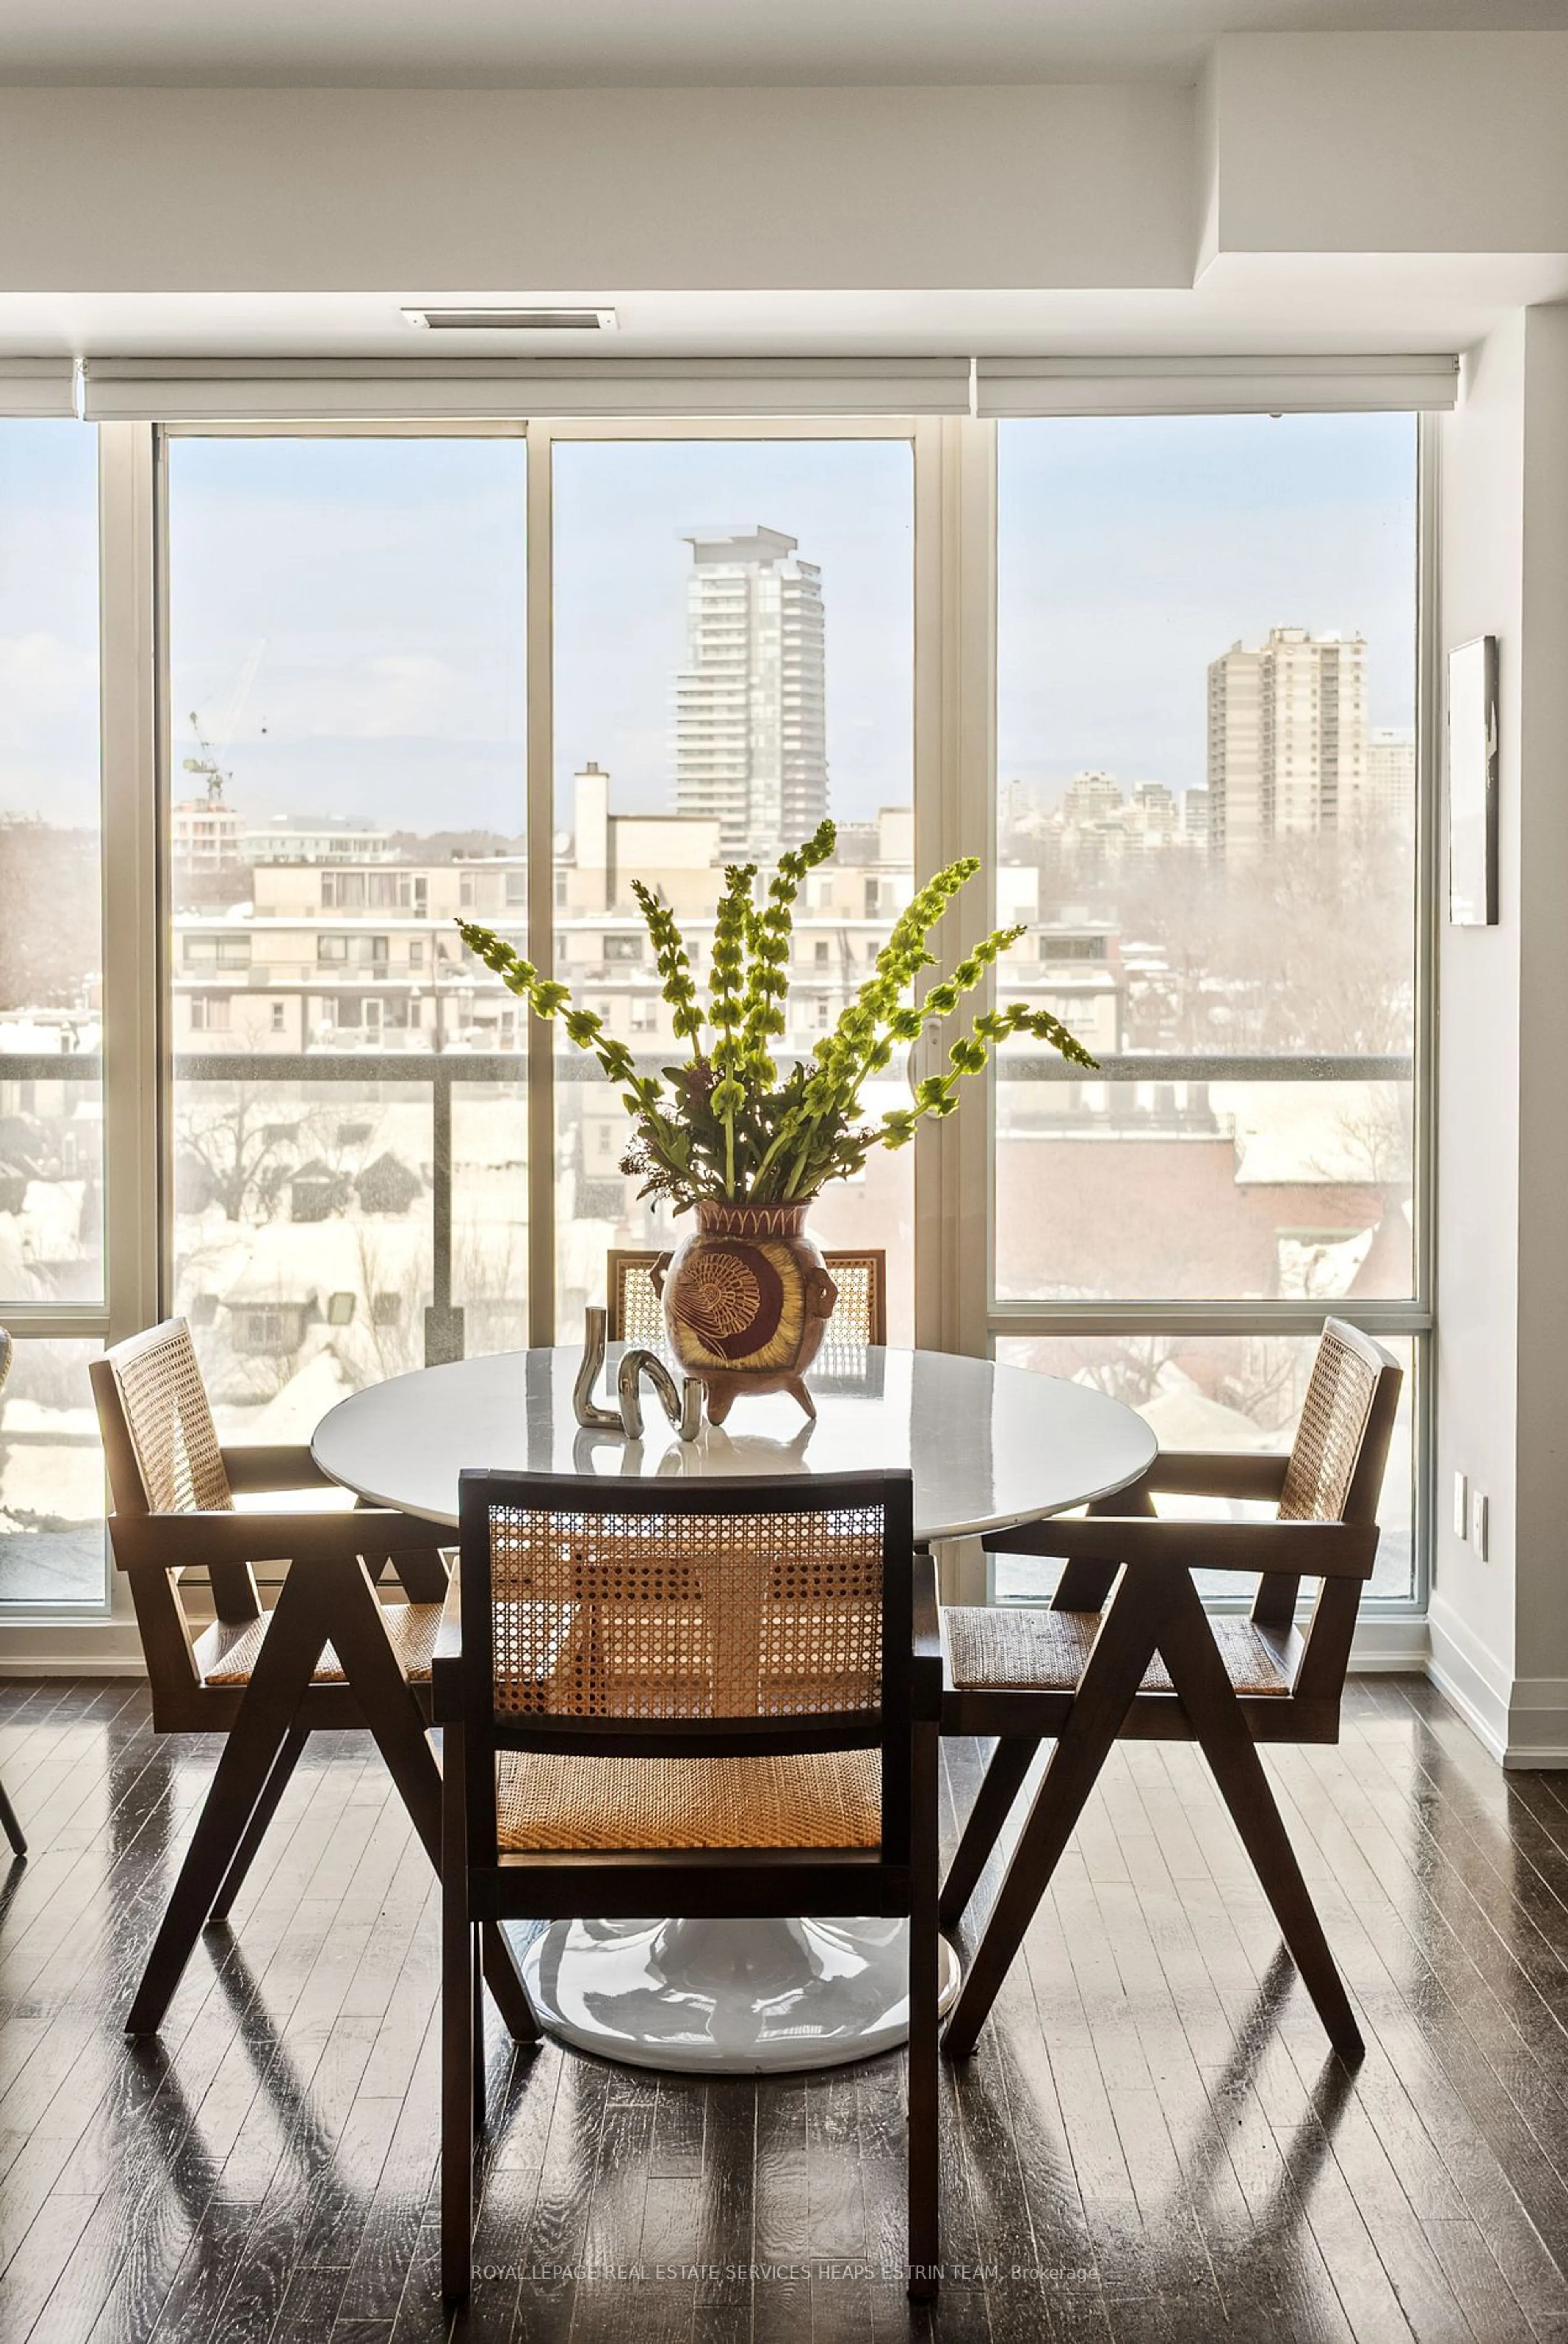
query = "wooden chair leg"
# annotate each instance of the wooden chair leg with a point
(1122, 1650)
(9, 1824)
(421, 1574)
(392, 1714)
(261, 1817)
(925, 2080)
(290, 1650)
(1197, 1673)
(457, 1998)
(1004, 1779)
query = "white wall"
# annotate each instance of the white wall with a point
(295, 191)
(1541, 1692)
(1299, 144)
(1481, 592)
(1500, 1627)
(1391, 141)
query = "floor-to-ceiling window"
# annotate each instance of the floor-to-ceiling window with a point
(407, 675)
(1207, 824)
(52, 1286)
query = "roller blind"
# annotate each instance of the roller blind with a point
(38, 387)
(1212, 386)
(343, 390)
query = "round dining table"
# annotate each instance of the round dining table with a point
(988, 1446)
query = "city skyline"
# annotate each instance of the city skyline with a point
(1132, 552)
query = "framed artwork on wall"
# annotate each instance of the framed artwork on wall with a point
(1473, 783)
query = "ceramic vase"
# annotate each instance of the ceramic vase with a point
(746, 1298)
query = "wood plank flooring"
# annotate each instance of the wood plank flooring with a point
(1152, 2142)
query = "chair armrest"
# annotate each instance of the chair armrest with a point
(1217, 1474)
(192, 1542)
(926, 1671)
(261, 1468)
(447, 1660)
(1306, 1550)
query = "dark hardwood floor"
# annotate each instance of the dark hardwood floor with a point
(1151, 2143)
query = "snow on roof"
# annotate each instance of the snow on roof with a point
(1335, 1135)
(1183, 1416)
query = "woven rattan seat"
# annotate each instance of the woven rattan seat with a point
(827, 1799)
(1032, 1649)
(412, 1630)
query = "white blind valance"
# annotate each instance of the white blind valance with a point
(1214, 386)
(45, 386)
(258, 390)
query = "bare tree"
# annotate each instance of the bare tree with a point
(49, 937)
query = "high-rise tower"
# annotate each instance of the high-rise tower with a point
(751, 720)
(1287, 740)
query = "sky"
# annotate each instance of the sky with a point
(348, 616)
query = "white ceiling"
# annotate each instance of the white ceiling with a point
(610, 43)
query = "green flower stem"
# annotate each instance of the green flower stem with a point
(729, 1126)
(937, 1095)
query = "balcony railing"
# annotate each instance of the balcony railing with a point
(443, 1071)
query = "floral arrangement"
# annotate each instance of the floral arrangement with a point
(724, 1125)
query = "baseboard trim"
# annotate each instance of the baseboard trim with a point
(1390, 1648)
(1471, 1680)
(1522, 1721)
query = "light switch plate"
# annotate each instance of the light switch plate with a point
(1478, 1524)
(1462, 1505)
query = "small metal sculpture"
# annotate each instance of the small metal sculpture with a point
(588, 1414)
(682, 1405)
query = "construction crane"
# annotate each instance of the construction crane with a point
(207, 764)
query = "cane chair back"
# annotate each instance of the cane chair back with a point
(1335, 1469)
(636, 1314)
(1320, 1478)
(696, 1666)
(168, 1461)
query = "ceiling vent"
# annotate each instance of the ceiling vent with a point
(512, 321)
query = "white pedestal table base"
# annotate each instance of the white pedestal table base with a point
(745, 1997)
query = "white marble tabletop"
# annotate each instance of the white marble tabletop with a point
(989, 1446)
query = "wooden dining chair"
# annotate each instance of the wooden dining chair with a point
(636, 1315)
(8, 1822)
(1153, 1665)
(329, 1654)
(709, 1699)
